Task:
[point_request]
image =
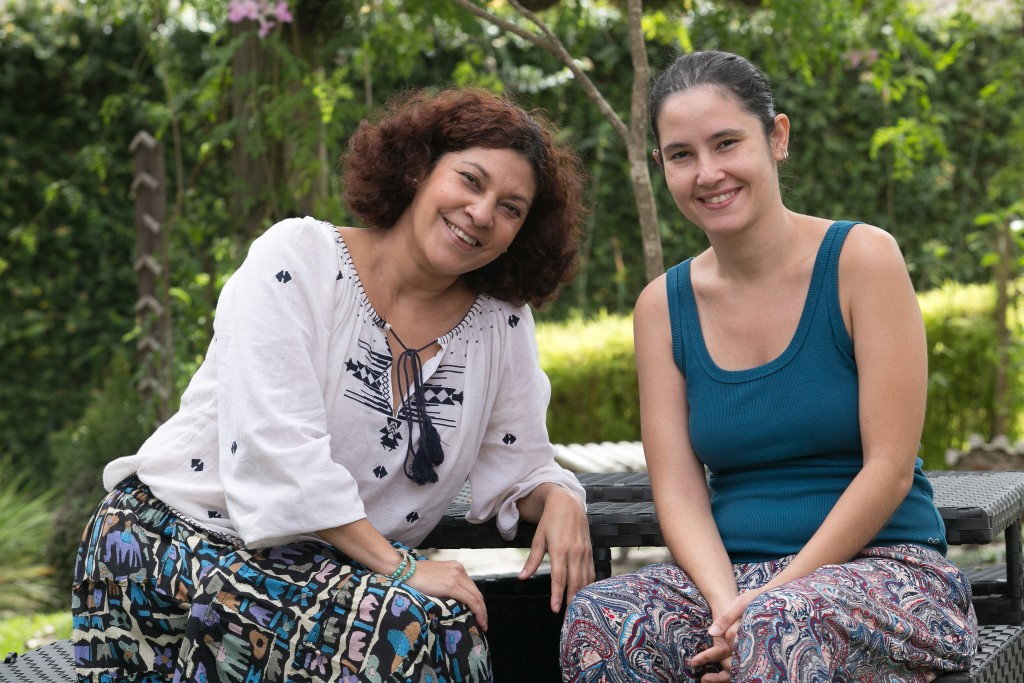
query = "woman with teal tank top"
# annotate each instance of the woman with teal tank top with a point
(787, 364)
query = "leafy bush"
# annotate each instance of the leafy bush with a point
(594, 394)
(66, 220)
(113, 425)
(962, 361)
(25, 514)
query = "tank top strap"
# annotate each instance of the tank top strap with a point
(677, 285)
(832, 245)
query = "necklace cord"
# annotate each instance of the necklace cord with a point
(423, 456)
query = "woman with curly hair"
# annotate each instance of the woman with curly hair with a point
(357, 378)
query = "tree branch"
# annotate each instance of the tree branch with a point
(554, 46)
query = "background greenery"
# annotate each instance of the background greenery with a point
(903, 116)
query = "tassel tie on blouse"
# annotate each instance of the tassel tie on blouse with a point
(426, 454)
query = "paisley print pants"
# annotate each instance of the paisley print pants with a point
(892, 614)
(157, 599)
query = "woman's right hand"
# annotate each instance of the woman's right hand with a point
(439, 579)
(449, 579)
(721, 652)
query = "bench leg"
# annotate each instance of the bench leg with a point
(1014, 566)
(602, 563)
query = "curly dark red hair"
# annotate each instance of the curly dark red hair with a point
(387, 155)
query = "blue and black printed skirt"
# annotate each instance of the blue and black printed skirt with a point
(156, 598)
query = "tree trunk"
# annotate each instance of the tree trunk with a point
(636, 145)
(635, 136)
(1002, 282)
(251, 182)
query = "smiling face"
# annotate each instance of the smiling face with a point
(470, 207)
(718, 164)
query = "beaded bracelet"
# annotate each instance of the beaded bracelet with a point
(408, 572)
(406, 557)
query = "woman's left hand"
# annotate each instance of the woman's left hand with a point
(723, 635)
(564, 534)
(727, 623)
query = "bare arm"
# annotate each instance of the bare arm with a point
(677, 477)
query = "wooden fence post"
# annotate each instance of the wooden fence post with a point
(152, 307)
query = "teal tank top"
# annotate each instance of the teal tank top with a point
(782, 441)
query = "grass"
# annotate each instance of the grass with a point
(20, 634)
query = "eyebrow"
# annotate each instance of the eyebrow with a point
(487, 176)
(718, 135)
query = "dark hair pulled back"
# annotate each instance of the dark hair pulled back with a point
(730, 72)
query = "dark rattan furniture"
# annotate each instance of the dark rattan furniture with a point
(1000, 659)
(976, 507)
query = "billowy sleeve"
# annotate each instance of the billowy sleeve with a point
(516, 455)
(272, 330)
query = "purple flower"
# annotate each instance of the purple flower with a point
(281, 12)
(242, 9)
(266, 13)
(400, 604)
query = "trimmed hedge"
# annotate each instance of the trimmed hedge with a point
(963, 356)
(594, 394)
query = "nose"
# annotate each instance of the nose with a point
(481, 212)
(708, 170)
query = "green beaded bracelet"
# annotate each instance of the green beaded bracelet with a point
(406, 557)
(408, 572)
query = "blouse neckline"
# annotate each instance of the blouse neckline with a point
(377, 319)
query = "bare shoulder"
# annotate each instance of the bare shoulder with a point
(650, 316)
(868, 245)
(871, 255)
(654, 297)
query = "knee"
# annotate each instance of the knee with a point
(399, 604)
(590, 604)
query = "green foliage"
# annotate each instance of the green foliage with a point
(66, 236)
(25, 514)
(16, 633)
(113, 425)
(904, 120)
(962, 360)
(594, 394)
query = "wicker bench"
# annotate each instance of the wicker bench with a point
(976, 508)
(1000, 659)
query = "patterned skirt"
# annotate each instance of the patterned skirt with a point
(892, 614)
(156, 598)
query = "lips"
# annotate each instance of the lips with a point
(457, 231)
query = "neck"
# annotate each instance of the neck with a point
(398, 274)
(749, 254)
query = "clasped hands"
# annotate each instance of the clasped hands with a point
(723, 638)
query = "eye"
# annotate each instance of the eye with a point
(513, 210)
(675, 156)
(726, 144)
(470, 178)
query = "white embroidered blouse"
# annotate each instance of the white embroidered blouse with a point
(287, 427)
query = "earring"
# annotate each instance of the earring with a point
(785, 154)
